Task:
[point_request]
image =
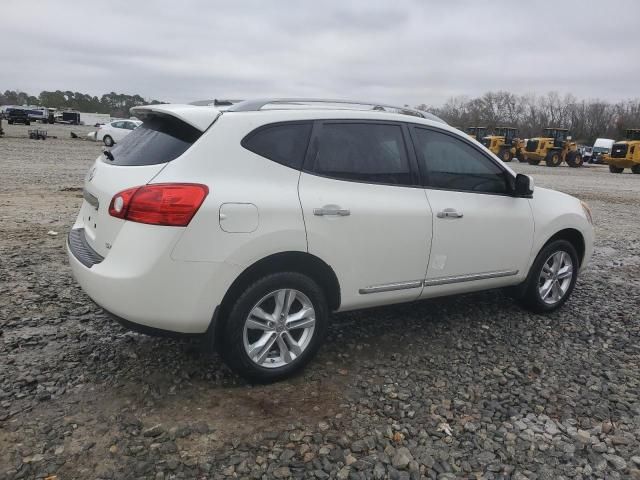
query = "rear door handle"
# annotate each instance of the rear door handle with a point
(338, 212)
(449, 213)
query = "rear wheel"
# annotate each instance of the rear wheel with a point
(614, 169)
(574, 159)
(505, 155)
(108, 141)
(551, 278)
(275, 327)
(553, 159)
(636, 168)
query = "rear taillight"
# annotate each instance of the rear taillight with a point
(170, 204)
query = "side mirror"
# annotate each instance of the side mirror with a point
(523, 186)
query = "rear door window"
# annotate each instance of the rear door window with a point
(363, 152)
(159, 139)
(284, 143)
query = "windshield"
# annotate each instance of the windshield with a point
(600, 150)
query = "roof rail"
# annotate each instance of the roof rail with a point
(258, 104)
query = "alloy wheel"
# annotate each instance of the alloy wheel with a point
(279, 328)
(555, 277)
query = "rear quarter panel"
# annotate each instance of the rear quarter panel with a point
(236, 175)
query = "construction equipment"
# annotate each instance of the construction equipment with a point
(477, 133)
(37, 134)
(625, 153)
(554, 147)
(505, 144)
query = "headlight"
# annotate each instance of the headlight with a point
(587, 212)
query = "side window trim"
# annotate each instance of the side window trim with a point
(245, 140)
(510, 179)
(316, 132)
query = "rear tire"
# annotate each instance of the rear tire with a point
(544, 278)
(505, 155)
(574, 159)
(614, 169)
(291, 348)
(636, 168)
(108, 141)
(553, 159)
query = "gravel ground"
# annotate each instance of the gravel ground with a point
(465, 387)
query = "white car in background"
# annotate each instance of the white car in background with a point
(113, 132)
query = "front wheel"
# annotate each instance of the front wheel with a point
(275, 327)
(574, 159)
(553, 159)
(506, 155)
(636, 168)
(614, 169)
(108, 141)
(551, 278)
(531, 161)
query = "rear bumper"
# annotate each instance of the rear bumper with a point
(140, 284)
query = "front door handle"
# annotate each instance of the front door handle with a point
(449, 213)
(338, 212)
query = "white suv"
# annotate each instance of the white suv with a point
(251, 225)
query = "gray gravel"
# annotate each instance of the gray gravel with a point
(466, 387)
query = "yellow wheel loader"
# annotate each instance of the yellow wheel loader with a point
(505, 144)
(625, 153)
(554, 147)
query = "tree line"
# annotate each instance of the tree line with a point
(115, 104)
(586, 119)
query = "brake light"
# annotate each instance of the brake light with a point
(169, 204)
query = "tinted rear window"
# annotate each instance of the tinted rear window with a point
(285, 143)
(364, 152)
(157, 140)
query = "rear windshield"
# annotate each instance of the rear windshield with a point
(157, 140)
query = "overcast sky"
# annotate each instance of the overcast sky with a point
(400, 51)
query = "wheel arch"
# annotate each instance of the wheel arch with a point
(301, 262)
(574, 237)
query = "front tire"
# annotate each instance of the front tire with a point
(108, 141)
(574, 159)
(552, 278)
(614, 169)
(553, 159)
(505, 155)
(531, 161)
(636, 168)
(275, 327)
